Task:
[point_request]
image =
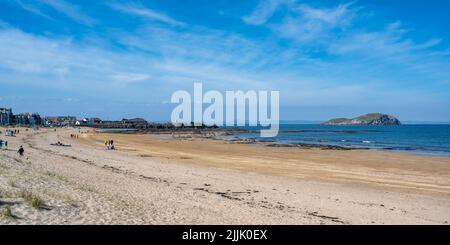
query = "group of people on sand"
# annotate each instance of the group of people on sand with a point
(11, 132)
(109, 144)
(3, 145)
(59, 143)
(74, 136)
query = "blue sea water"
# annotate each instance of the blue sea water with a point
(422, 139)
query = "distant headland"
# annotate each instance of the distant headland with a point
(368, 119)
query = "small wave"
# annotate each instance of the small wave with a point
(367, 142)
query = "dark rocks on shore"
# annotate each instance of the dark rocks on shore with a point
(151, 126)
(319, 146)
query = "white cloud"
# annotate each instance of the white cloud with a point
(129, 77)
(301, 22)
(338, 16)
(335, 31)
(70, 10)
(390, 46)
(201, 46)
(262, 12)
(147, 13)
(305, 23)
(32, 8)
(56, 62)
(42, 8)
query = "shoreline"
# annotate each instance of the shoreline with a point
(234, 137)
(234, 134)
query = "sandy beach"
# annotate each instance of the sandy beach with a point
(159, 179)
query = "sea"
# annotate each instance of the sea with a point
(425, 139)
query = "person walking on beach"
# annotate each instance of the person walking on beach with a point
(6, 145)
(21, 151)
(111, 144)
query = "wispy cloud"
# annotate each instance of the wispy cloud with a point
(389, 41)
(61, 62)
(43, 8)
(70, 10)
(32, 8)
(147, 13)
(337, 16)
(305, 23)
(129, 77)
(390, 48)
(58, 61)
(334, 31)
(263, 11)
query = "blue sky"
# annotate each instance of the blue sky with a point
(116, 59)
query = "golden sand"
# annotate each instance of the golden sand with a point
(375, 168)
(158, 179)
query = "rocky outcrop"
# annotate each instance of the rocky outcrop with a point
(368, 119)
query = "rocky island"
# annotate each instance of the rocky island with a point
(368, 119)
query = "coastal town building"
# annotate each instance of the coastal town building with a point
(135, 122)
(6, 116)
(24, 119)
(89, 121)
(60, 121)
(95, 120)
(36, 119)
